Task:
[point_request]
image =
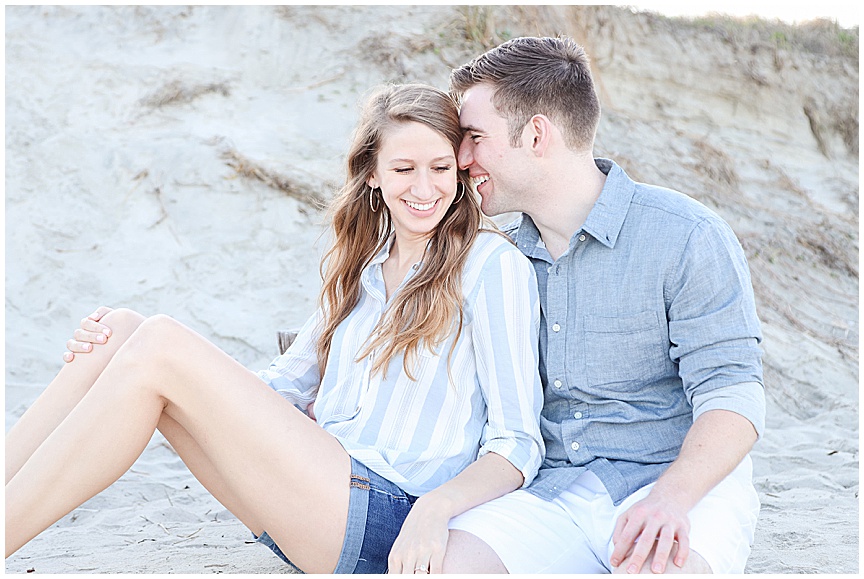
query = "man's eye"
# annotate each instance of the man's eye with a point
(474, 138)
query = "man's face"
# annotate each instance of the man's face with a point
(495, 167)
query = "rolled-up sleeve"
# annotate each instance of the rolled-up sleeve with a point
(295, 375)
(713, 326)
(505, 328)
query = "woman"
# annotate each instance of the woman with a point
(421, 356)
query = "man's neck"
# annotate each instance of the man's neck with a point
(567, 198)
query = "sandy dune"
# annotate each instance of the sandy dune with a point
(168, 159)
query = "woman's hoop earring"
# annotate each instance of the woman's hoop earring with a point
(374, 208)
(462, 194)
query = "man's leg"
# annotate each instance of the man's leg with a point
(722, 526)
(520, 533)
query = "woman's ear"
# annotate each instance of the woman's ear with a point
(372, 181)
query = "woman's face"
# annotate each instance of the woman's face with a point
(416, 172)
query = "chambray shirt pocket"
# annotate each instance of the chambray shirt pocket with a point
(625, 351)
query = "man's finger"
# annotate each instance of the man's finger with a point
(683, 550)
(664, 545)
(643, 547)
(626, 537)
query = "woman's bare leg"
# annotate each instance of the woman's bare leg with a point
(65, 391)
(69, 387)
(287, 475)
(200, 465)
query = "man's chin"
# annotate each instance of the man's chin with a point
(489, 209)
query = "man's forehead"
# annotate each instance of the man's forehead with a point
(478, 95)
(476, 101)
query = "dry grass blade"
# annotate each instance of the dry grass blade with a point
(176, 92)
(249, 169)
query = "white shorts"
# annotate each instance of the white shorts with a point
(573, 533)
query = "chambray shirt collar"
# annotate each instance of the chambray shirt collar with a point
(604, 222)
(607, 216)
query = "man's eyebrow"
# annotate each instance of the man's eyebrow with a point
(469, 129)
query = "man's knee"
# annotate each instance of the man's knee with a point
(467, 553)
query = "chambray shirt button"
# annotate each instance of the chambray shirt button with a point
(556, 328)
(574, 446)
(582, 237)
(577, 416)
(557, 383)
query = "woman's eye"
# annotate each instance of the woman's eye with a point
(403, 170)
(442, 168)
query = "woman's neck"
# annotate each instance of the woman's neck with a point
(404, 253)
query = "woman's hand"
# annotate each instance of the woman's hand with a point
(422, 542)
(91, 332)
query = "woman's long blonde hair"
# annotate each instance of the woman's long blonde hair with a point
(429, 307)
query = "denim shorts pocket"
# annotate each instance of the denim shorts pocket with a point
(625, 351)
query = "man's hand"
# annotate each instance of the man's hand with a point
(716, 443)
(657, 521)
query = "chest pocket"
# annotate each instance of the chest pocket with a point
(625, 352)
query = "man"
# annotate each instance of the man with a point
(649, 341)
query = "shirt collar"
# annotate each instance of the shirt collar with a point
(606, 218)
(384, 252)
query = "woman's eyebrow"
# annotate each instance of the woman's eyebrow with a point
(435, 160)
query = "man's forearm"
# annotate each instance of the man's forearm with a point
(716, 443)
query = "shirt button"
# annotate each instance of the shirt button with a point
(582, 237)
(574, 446)
(557, 383)
(556, 328)
(577, 416)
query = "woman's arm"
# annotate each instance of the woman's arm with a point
(295, 375)
(505, 320)
(423, 539)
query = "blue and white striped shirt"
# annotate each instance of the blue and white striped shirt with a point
(421, 433)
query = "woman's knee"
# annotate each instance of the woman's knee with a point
(155, 337)
(122, 321)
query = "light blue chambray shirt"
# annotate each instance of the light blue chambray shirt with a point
(648, 320)
(421, 433)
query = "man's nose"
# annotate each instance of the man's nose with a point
(466, 157)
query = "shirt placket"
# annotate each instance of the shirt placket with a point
(564, 288)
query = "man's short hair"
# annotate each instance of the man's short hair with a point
(530, 76)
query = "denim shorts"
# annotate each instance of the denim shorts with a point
(376, 510)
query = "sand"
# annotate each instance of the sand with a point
(167, 159)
